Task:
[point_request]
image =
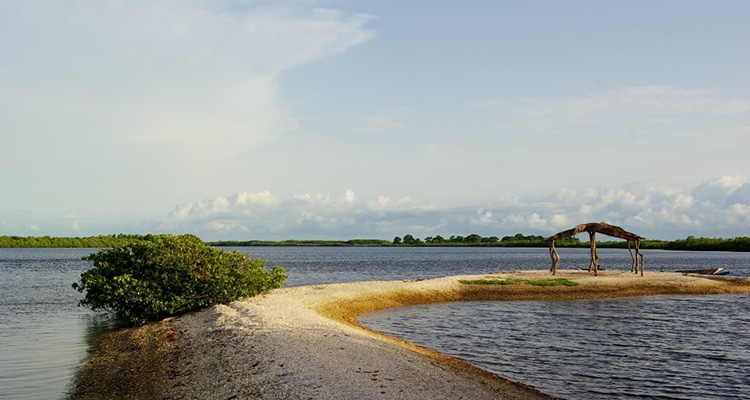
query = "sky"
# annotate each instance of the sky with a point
(273, 120)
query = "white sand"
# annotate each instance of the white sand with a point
(304, 343)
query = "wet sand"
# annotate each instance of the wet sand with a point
(305, 343)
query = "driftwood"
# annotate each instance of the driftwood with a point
(592, 228)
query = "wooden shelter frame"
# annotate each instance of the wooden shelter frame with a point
(592, 228)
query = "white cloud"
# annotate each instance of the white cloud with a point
(536, 221)
(264, 199)
(483, 218)
(653, 211)
(349, 197)
(717, 190)
(384, 203)
(559, 220)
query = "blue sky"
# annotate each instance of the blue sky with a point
(374, 119)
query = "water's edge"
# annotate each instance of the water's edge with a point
(46, 337)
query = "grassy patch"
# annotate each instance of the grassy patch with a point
(510, 281)
(552, 282)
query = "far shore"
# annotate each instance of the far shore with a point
(305, 342)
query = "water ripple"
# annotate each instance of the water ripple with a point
(659, 347)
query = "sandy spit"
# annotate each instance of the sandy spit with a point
(305, 343)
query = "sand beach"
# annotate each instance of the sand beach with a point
(305, 343)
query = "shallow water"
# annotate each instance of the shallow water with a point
(656, 347)
(44, 336)
(42, 331)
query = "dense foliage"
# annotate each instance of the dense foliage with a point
(693, 243)
(94, 242)
(518, 240)
(163, 275)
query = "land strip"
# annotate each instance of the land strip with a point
(305, 342)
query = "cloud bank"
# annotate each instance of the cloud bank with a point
(718, 208)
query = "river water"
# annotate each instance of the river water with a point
(554, 346)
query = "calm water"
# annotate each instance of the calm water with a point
(659, 347)
(350, 264)
(44, 336)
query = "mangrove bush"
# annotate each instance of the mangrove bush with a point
(163, 275)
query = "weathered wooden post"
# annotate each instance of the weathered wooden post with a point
(594, 257)
(554, 256)
(592, 228)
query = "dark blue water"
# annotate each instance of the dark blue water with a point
(44, 336)
(657, 347)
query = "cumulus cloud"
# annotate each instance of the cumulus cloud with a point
(718, 190)
(654, 211)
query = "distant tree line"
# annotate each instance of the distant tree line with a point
(518, 240)
(691, 243)
(102, 241)
(710, 244)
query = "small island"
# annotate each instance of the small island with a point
(305, 342)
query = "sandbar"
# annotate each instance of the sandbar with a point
(305, 342)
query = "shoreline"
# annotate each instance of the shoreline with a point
(305, 342)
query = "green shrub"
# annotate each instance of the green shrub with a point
(163, 275)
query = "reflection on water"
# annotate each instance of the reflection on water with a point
(667, 347)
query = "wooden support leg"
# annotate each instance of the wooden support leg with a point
(554, 256)
(638, 255)
(594, 257)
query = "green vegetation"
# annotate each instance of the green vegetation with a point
(157, 276)
(93, 242)
(693, 243)
(552, 282)
(518, 240)
(511, 281)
